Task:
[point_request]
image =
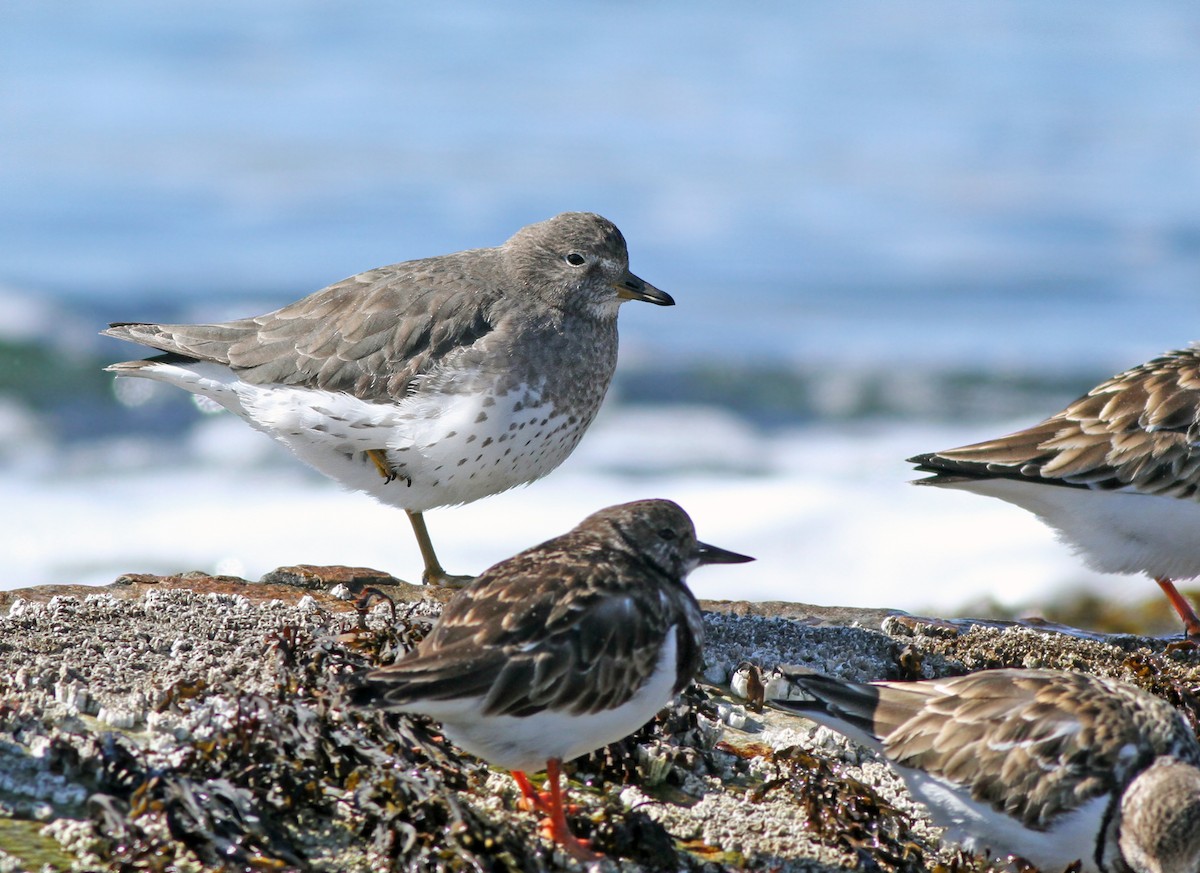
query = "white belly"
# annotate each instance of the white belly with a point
(1113, 531)
(979, 828)
(444, 449)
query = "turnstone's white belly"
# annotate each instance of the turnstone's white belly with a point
(1052, 766)
(1114, 531)
(979, 828)
(526, 743)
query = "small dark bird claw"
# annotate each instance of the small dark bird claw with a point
(379, 459)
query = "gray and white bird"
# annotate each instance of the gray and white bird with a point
(426, 383)
(561, 649)
(1053, 767)
(1116, 474)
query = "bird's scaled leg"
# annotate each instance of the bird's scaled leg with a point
(1191, 621)
(555, 826)
(434, 574)
(379, 459)
(531, 800)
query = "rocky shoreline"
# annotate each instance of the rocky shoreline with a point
(197, 723)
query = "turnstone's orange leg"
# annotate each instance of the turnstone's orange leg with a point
(434, 574)
(1191, 621)
(531, 800)
(555, 826)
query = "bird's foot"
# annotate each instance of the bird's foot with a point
(553, 806)
(531, 800)
(580, 850)
(434, 574)
(538, 802)
(379, 459)
(441, 578)
(555, 826)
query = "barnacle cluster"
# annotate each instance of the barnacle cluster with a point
(281, 776)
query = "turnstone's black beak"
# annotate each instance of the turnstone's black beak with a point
(630, 287)
(706, 554)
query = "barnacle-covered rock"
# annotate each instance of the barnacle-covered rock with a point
(200, 723)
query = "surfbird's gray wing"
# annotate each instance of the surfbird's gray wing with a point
(368, 335)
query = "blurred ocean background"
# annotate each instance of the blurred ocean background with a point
(890, 228)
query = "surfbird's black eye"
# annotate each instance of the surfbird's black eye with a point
(667, 534)
(575, 259)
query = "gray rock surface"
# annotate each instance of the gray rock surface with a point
(196, 723)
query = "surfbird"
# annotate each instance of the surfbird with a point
(1116, 474)
(1053, 767)
(561, 649)
(426, 383)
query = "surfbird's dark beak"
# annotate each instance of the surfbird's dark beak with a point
(630, 287)
(707, 554)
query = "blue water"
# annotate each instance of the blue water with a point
(846, 179)
(886, 202)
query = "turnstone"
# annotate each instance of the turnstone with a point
(1053, 767)
(561, 649)
(426, 383)
(1116, 474)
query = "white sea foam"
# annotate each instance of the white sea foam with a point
(826, 511)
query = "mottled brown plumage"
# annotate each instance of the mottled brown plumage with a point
(564, 648)
(1138, 430)
(576, 624)
(1059, 766)
(1116, 474)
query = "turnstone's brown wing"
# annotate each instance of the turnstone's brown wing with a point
(369, 335)
(1031, 744)
(582, 638)
(1138, 430)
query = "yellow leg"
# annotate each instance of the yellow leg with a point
(434, 574)
(379, 458)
